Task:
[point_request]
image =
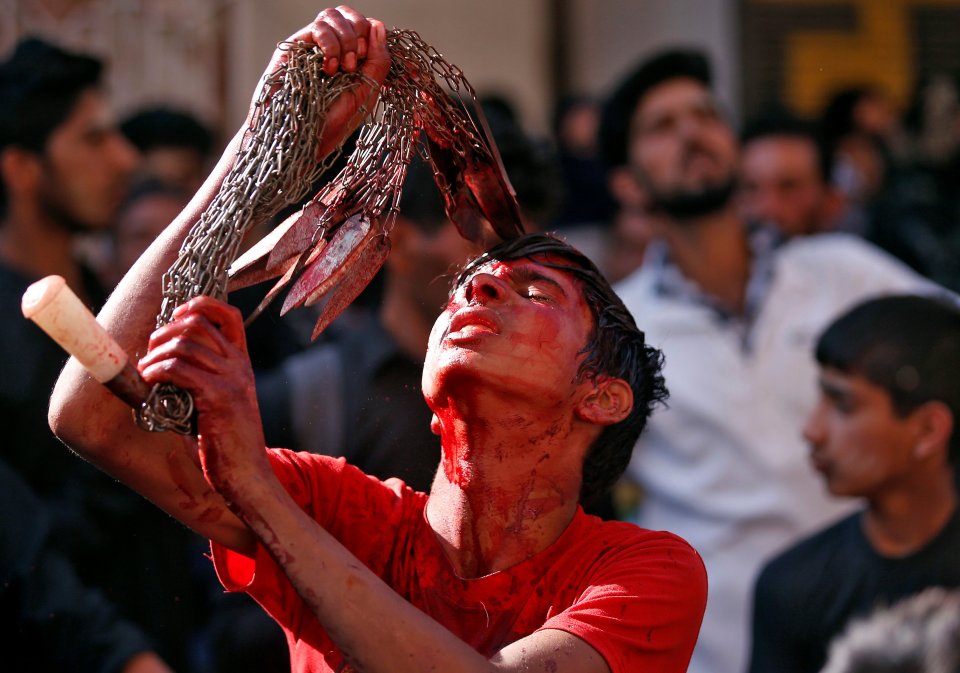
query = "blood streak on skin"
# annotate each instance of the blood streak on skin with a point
(456, 465)
(179, 477)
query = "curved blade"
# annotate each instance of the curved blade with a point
(368, 264)
(334, 261)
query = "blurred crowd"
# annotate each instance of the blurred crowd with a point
(806, 450)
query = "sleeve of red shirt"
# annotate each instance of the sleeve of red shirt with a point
(642, 605)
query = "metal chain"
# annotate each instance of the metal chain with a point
(277, 165)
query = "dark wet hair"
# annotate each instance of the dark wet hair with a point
(907, 345)
(781, 123)
(39, 87)
(618, 110)
(615, 348)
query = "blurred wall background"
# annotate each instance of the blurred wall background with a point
(207, 54)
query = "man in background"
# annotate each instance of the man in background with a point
(735, 310)
(64, 172)
(785, 177)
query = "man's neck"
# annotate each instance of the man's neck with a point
(902, 521)
(712, 252)
(35, 246)
(507, 489)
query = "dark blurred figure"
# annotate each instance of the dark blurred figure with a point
(65, 169)
(785, 172)
(586, 208)
(51, 621)
(885, 430)
(586, 199)
(176, 146)
(859, 127)
(149, 207)
(917, 215)
(920, 634)
(242, 638)
(531, 164)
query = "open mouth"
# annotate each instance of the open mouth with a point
(470, 323)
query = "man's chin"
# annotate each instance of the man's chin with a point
(692, 205)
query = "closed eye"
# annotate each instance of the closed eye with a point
(534, 293)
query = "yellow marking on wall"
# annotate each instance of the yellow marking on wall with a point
(878, 53)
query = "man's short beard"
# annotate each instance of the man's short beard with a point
(53, 207)
(691, 205)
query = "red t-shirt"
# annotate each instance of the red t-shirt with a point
(636, 596)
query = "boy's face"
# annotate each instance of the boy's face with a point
(857, 441)
(518, 327)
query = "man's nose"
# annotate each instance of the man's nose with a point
(813, 427)
(483, 288)
(690, 124)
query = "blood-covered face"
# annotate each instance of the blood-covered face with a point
(517, 328)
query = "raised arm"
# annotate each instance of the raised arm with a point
(164, 467)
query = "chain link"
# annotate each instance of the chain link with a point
(277, 165)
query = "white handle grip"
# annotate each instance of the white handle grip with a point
(56, 309)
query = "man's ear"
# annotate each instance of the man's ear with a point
(20, 169)
(934, 422)
(610, 401)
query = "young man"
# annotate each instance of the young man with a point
(52, 621)
(785, 177)
(885, 431)
(64, 170)
(735, 311)
(538, 381)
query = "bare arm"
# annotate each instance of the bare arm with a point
(164, 467)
